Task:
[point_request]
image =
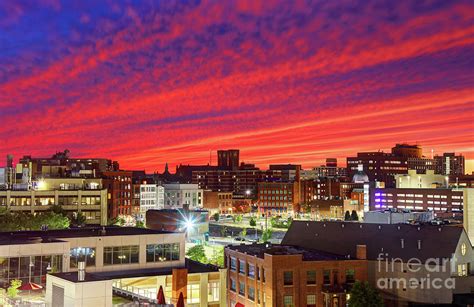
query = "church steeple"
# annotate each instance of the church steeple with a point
(166, 169)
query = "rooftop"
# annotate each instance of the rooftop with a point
(190, 265)
(421, 241)
(259, 250)
(48, 236)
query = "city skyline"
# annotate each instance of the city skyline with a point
(155, 82)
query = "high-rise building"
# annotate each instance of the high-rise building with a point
(407, 151)
(120, 196)
(450, 164)
(228, 158)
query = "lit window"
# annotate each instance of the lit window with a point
(213, 294)
(193, 293)
(288, 301)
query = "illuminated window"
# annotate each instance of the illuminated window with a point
(288, 301)
(463, 249)
(193, 293)
(213, 293)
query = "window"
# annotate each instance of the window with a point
(258, 273)
(311, 300)
(251, 270)
(120, 254)
(213, 294)
(251, 293)
(242, 267)
(263, 275)
(233, 264)
(232, 285)
(288, 278)
(77, 254)
(242, 288)
(463, 249)
(462, 269)
(310, 277)
(162, 252)
(193, 293)
(326, 277)
(350, 276)
(288, 301)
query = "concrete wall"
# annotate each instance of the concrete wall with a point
(82, 294)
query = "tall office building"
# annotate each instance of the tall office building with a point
(450, 164)
(228, 158)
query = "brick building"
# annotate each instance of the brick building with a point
(278, 197)
(284, 275)
(120, 196)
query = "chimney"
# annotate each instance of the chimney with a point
(419, 244)
(81, 271)
(361, 252)
(402, 243)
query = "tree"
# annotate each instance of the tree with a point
(78, 219)
(12, 291)
(140, 224)
(253, 222)
(266, 235)
(216, 216)
(243, 233)
(354, 216)
(218, 256)
(223, 231)
(197, 253)
(364, 295)
(347, 216)
(238, 218)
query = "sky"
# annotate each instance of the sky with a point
(150, 82)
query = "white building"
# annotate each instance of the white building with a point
(412, 180)
(118, 260)
(152, 196)
(177, 195)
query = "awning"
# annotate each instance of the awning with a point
(30, 286)
(239, 305)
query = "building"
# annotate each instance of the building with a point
(330, 169)
(414, 180)
(326, 209)
(120, 196)
(195, 223)
(289, 172)
(407, 151)
(450, 164)
(408, 264)
(178, 195)
(133, 262)
(287, 275)
(468, 213)
(397, 216)
(278, 197)
(152, 196)
(242, 181)
(379, 166)
(217, 202)
(444, 202)
(62, 165)
(87, 196)
(228, 159)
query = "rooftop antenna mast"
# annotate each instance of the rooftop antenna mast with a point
(210, 156)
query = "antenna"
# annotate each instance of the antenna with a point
(210, 156)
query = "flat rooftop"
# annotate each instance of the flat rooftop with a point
(192, 267)
(259, 250)
(48, 236)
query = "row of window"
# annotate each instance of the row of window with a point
(125, 254)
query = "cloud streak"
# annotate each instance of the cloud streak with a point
(155, 82)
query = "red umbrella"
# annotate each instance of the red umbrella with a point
(161, 296)
(180, 302)
(30, 286)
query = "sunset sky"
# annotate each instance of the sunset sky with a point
(149, 82)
